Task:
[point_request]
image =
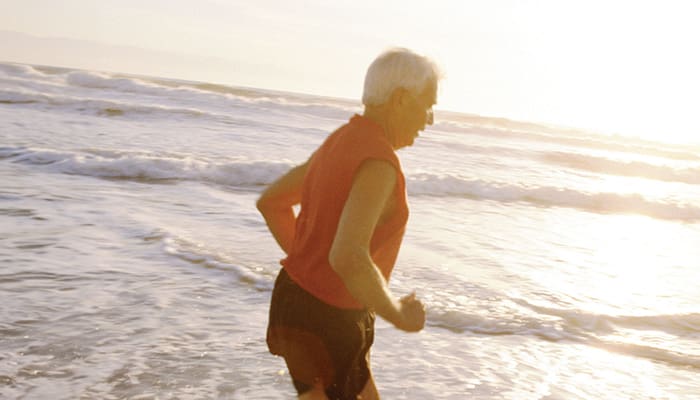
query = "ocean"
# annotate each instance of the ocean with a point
(554, 263)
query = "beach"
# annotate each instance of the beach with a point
(554, 263)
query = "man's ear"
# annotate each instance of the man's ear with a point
(398, 97)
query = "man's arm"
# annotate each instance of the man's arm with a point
(276, 202)
(350, 253)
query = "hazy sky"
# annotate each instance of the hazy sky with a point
(629, 67)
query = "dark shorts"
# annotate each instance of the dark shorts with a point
(321, 344)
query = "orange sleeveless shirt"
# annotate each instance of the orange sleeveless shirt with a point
(325, 189)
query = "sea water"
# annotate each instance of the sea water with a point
(554, 263)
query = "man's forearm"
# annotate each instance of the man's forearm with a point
(365, 283)
(281, 223)
(276, 205)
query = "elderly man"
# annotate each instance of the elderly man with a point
(342, 246)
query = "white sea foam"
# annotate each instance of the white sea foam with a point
(251, 174)
(146, 166)
(192, 253)
(506, 318)
(625, 168)
(91, 87)
(531, 132)
(675, 324)
(21, 97)
(605, 202)
(210, 93)
(20, 70)
(85, 105)
(579, 327)
(95, 80)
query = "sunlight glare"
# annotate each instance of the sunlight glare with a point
(628, 254)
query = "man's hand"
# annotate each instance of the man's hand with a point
(412, 314)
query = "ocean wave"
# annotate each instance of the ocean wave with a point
(533, 132)
(148, 167)
(649, 352)
(624, 168)
(665, 170)
(98, 80)
(203, 96)
(21, 70)
(100, 107)
(578, 327)
(23, 96)
(140, 85)
(210, 93)
(569, 324)
(253, 174)
(594, 330)
(675, 324)
(459, 321)
(103, 83)
(117, 109)
(332, 108)
(192, 253)
(320, 106)
(600, 202)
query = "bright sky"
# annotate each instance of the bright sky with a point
(617, 66)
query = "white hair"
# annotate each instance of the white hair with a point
(398, 68)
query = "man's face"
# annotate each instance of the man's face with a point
(413, 113)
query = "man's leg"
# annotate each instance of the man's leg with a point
(317, 393)
(370, 390)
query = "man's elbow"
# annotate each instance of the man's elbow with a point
(335, 259)
(343, 260)
(265, 204)
(261, 204)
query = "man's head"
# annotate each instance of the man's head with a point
(403, 85)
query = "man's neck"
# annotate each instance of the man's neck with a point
(378, 114)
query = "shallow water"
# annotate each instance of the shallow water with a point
(554, 264)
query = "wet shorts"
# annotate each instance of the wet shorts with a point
(321, 344)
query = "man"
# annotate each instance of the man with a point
(342, 246)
